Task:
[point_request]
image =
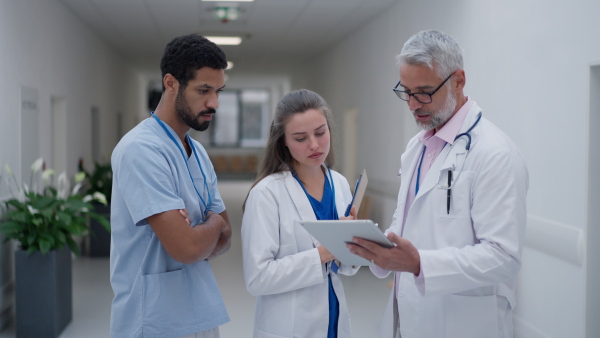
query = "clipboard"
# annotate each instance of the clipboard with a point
(359, 192)
(334, 234)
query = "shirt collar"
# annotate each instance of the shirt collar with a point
(451, 128)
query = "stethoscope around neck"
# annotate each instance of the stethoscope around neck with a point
(185, 159)
(467, 135)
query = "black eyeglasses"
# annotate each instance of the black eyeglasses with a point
(421, 97)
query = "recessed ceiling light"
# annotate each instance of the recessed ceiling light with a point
(225, 40)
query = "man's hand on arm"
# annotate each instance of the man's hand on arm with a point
(402, 257)
(187, 244)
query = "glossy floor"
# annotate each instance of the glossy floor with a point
(92, 295)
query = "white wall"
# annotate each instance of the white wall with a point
(527, 65)
(43, 46)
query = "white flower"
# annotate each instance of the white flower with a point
(32, 210)
(37, 165)
(8, 170)
(79, 177)
(47, 175)
(76, 188)
(98, 196)
(62, 190)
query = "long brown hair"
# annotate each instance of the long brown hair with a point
(276, 156)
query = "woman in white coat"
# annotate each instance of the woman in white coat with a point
(296, 280)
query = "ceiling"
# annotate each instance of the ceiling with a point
(276, 32)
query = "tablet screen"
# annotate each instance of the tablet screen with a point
(334, 234)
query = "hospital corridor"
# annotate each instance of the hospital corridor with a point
(476, 123)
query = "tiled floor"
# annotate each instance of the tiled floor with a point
(92, 295)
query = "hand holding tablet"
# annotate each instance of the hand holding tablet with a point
(334, 234)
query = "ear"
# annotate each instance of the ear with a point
(460, 80)
(170, 83)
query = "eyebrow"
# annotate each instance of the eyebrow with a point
(417, 88)
(302, 132)
(206, 85)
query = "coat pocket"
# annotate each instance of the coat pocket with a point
(471, 316)
(455, 203)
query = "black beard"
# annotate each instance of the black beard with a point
(185, 113)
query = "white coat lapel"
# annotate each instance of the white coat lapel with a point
(408, 164)
(300, 200)
(305, 210)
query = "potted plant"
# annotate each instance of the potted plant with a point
(99, 180)
(45, 221)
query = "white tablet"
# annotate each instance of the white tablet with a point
(334, 235)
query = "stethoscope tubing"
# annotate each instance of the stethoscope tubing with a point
(467, 148)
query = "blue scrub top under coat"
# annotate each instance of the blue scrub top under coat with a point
(154, 294)
(326, 210)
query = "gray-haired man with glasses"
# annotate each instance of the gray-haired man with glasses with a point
(460, 221)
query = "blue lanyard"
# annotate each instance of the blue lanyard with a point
(419, 171)
(334, 209)
(206, 206)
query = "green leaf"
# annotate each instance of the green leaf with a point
(10, 227)
(102, 220)
(61, 238)
(31, 240)
(45, 246)
(37, 221)
(73, 246)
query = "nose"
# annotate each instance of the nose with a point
(413, 104)
(213, 101)
(313, 145)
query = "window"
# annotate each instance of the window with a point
(242, 119)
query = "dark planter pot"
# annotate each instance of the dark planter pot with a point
(100, 237)
(43, 293)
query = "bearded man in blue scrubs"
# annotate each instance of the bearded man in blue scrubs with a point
(168, 219)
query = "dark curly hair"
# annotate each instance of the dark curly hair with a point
(186, 54)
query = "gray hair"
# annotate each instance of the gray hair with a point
(438, 50)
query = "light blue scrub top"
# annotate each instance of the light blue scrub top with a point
(156, 296)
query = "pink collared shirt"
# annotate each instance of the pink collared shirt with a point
(433, 143)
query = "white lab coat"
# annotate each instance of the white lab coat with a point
(282, 266)
(470, 257)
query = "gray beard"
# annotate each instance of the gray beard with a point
(442, 116)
